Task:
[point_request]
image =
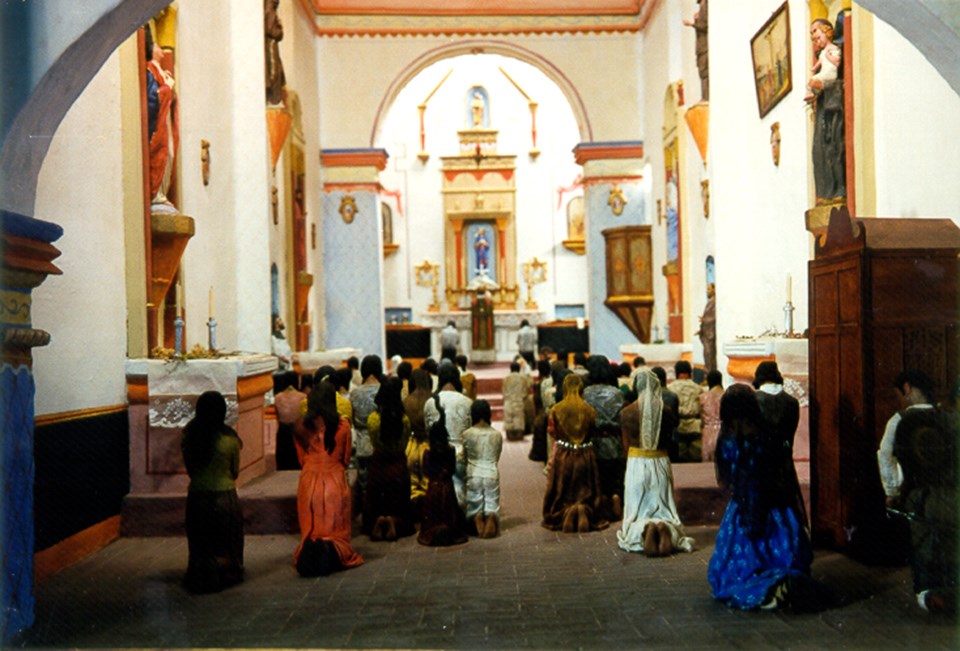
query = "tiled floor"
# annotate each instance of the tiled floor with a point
(529, 588)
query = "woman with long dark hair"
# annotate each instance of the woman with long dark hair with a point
(211, 453)
(762, 554)
(386, 502)
(323, 497)
(442, 521)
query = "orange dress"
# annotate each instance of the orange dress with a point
(323, 496)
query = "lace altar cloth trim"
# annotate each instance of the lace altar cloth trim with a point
(174, 388)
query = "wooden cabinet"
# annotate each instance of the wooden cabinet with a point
(883, 298)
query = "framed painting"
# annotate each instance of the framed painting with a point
(771, 60)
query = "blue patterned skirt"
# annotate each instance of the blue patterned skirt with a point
(743, 570)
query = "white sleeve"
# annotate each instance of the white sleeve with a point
(891, 476)
(430, 414)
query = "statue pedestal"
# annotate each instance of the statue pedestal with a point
(791, 356)
(506, 325)
(162, 397)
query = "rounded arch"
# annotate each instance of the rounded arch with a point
(484, 46)
(26, 143)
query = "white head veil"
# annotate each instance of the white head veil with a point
(650, 403)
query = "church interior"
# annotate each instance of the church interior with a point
(629, 178)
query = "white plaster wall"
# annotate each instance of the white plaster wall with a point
(540, 224)
(298, 50)
(221, 94)
(917, 126)
(600, 70)
(84, 309)
(757, 208)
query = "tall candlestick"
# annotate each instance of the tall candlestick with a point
(179, 299)
(789, 289)
(211, 302)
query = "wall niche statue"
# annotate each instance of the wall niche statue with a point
(276, 81)
(826, 96)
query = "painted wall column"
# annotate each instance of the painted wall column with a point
(353, 249)
(613, 196)
(27, 261)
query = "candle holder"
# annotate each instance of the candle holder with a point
(178, 335)
(788, 318)
(212, 334)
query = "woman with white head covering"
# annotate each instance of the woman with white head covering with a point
(650, 521)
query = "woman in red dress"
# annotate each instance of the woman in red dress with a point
(323, 496)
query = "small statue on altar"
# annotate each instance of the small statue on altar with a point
(477, 109)
(481, 320)
(482, 247)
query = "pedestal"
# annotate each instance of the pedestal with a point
(162, 397)
(791, 356)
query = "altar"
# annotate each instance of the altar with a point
(163, 395)
(506, 325)
(309, 361)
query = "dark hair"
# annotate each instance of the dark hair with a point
(438, 434)
(514, 367)
(353, 362)
(201, 433)
(430, 366)
(286, 379)
(916, 379)
(524, 323)
(461, 361)
(371, 365)
(543, 368)
(661, 374)
(558, 379)
(580, 358)
(623, 369)
(599, 368)
(480, 411)
(306, 383)
(638, 361)
(766, 372)
(449, 375)
(714, 379)
(739, 402)
(323, 373)
(420, 379)
(682, 368)
(451, 324)
(390, 407)
(322, 404)
(404, 369)
(341, 378)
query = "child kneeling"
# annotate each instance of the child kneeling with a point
(481, 450)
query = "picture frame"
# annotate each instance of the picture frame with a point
(772, 70)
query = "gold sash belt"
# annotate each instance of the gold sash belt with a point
(646, 454)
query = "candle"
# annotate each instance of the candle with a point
(789, 289)
(211, 301)
(179, 295)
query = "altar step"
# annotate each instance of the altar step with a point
(270, 501)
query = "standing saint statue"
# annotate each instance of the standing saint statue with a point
(276, 81)
(708, 330)
(699, 23)
(482, 248)
(476, 110)
(826, 96)
(163, 125)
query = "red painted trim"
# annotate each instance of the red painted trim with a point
(450, 175)
(359, 158)
(588, 152)
(352, 187)
(340, 32)
(480, 7)
(611, 180)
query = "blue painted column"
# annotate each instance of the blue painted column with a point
(27, 261)
(613, 196)
(353, 249)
